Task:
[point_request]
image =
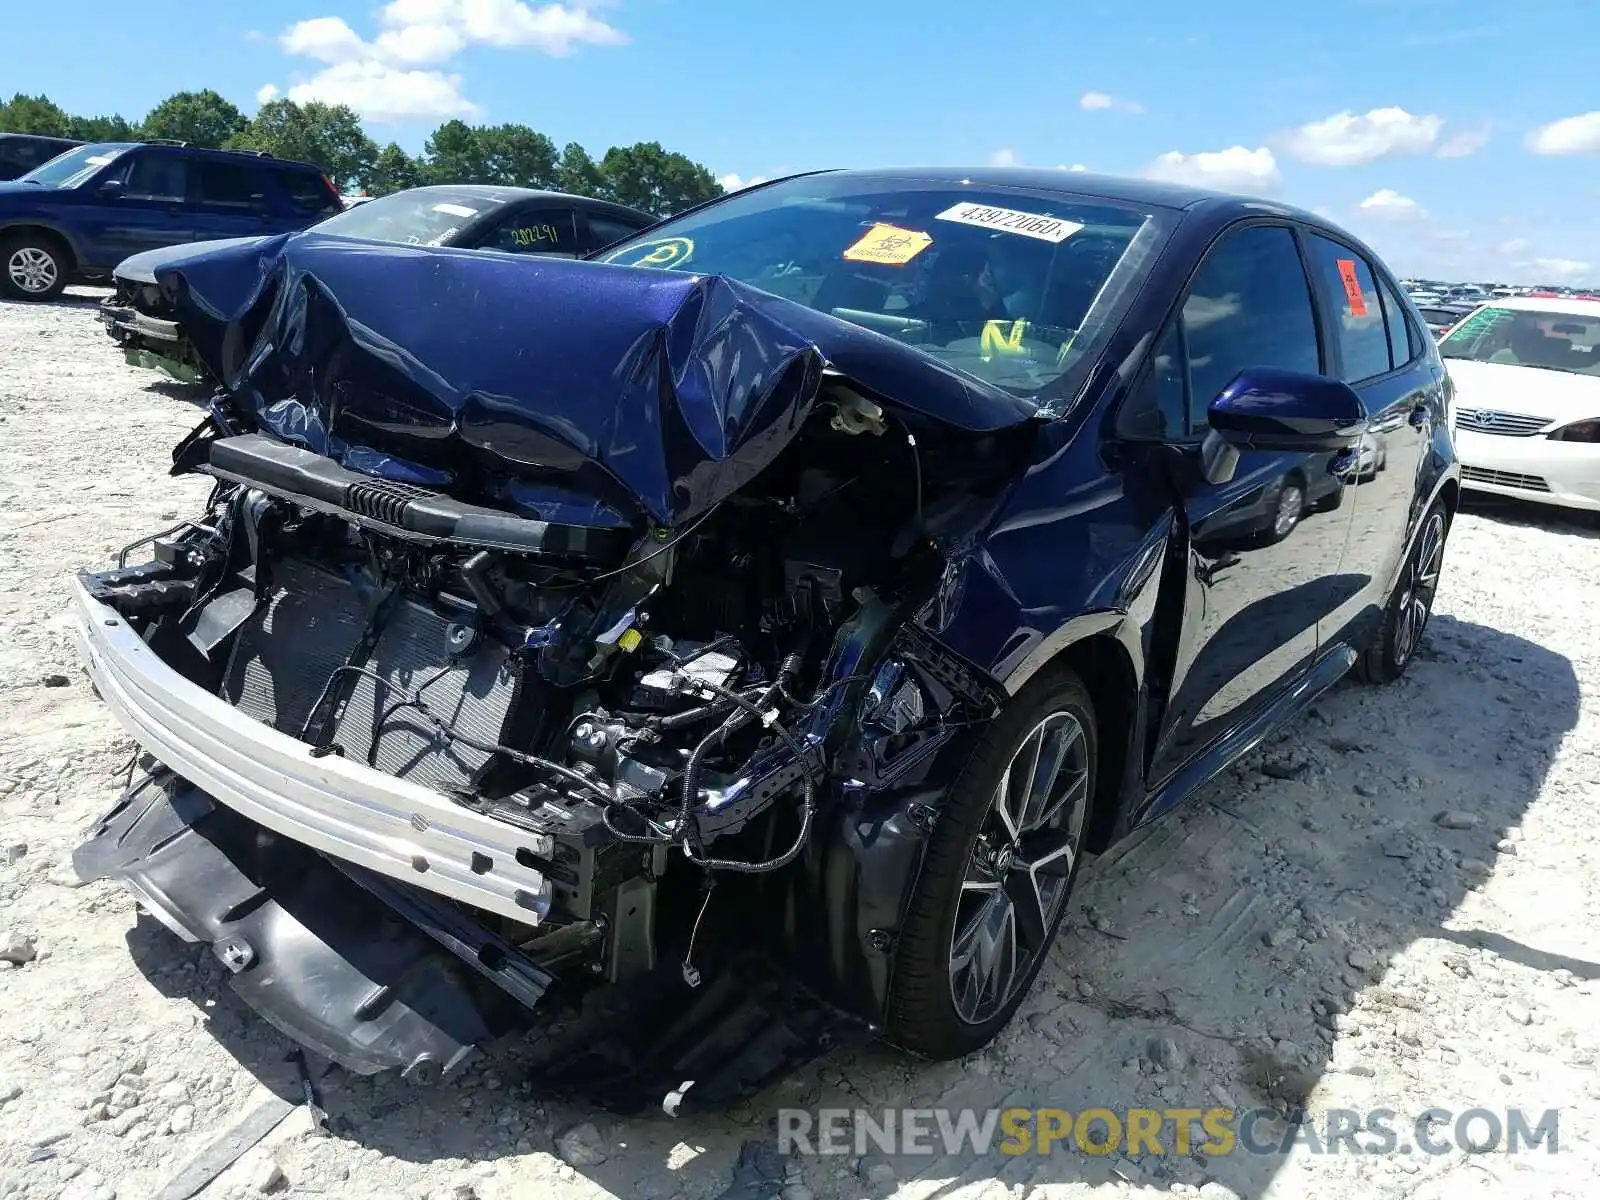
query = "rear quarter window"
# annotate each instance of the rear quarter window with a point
(1348, 290)
(307, 192)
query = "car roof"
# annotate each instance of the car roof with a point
(1569, 305)
(1120, 189)
(43, 137)
(503, 194)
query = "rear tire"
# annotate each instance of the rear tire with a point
(989, 857)
(1410, 604)
(32, 267)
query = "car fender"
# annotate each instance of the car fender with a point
(9, 224)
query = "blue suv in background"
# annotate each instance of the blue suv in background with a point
(77, 216)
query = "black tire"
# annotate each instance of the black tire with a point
(1396, 645)
(923, 1013)
(32, 267)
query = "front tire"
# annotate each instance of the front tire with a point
(1001, 864)
(31, 268)
(1410, 605)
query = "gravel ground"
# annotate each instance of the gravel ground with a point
(1394, 904)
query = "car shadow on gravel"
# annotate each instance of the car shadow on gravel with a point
(71, 298)
(1527, 513)
(175, 389)
(1207, 963)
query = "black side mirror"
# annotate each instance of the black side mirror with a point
(110, 189)
(1268, 409)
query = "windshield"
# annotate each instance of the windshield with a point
(75, 166)
(1553, 341)
(1015, 288)
(419, 217)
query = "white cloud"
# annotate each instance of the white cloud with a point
(1073, 167)
(1516, 246)
(1005, 158)
(1570, 135)
(1097, 101)
(266, 92)
(380, 78)
(1464, 144)
(384, 93)
(1234, 169)
(419, 43)
(1392, 206)
(732, 182)
(1347, 140)
(328, 39)
(1557, 270)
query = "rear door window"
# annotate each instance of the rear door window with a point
(536, 231)
(607, 230)
(157, 175)
(1349, 294)
(225, 184)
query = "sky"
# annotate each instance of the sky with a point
(1460, 138)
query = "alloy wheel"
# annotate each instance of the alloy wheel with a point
(1287, 514)
(1417, 589)
(1020, 868)
(32, 270)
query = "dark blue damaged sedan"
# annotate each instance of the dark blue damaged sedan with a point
(736, 642)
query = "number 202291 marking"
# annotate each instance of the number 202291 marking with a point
(532, 235)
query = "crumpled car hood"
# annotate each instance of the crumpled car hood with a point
(531, 381)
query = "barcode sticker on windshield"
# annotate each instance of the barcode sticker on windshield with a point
(455, 210)
(1009, 220)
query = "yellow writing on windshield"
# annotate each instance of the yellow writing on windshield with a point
(1002, 337)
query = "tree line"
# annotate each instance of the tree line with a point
(644, 175)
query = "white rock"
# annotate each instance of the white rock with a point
(47, 1133)
(9, 1091)
(1457, 818)
(877, 1171)
(268, 1178)
(175, 1092)
(14, 853)
(1218, 1191)
(1519, 1014)
(17, 947)
(181, 1119)
(581, 1146)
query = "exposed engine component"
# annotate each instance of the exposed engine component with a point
(637, 708)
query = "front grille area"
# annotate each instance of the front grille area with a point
(383, 499)
(1510, 479)
(1488, 420)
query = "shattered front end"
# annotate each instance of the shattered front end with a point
(501, 641)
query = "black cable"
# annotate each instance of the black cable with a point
(639, 562)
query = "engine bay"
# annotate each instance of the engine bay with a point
(660, 707)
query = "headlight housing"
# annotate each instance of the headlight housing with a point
(1578, 431)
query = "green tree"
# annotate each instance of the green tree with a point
(518, 156)
(659, 181)
(200, 118)
(329, 135)
(579, 174)
(392, 171)
(34, 114)
(454, 154)
(512, 155)
(102, 129)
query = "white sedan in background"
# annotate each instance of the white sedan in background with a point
(1526, 414)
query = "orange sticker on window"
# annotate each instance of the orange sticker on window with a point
(1352, 286)
(888, 245)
